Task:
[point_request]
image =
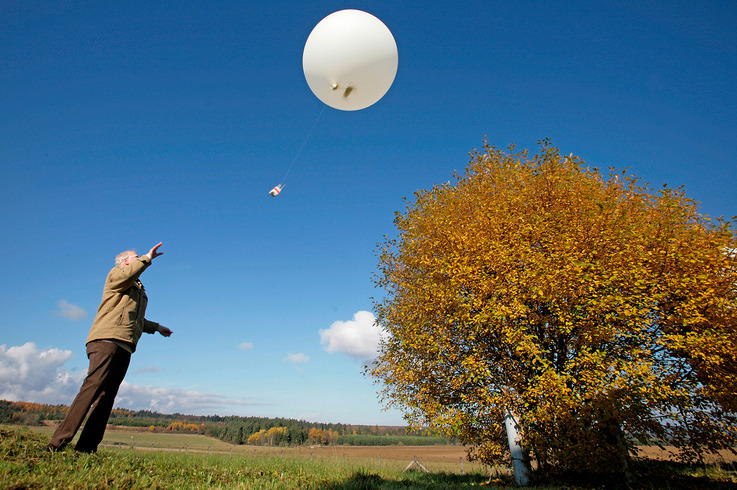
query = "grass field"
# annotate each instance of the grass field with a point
(135, 459)
(24, 465)
(450, 459)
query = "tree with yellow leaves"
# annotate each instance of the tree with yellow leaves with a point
(600, 312)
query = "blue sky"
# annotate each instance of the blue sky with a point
(126, 124)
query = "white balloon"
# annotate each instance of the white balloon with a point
(350, 60)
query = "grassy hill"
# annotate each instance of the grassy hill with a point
(24, 465)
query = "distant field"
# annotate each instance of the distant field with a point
(654, 452)
(435, 458)
(132, 436)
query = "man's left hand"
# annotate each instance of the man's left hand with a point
(154, 252)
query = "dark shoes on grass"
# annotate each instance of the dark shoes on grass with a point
(51, 448)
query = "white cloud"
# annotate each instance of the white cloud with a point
(30, 374)
(70, 311)
(246, 346)
(170, 400)
(149, 369)
(358, 338)
(297, 358)
(33, 375)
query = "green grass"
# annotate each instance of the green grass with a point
(23, 465)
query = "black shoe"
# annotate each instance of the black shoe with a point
(85, 450)
(50, 448)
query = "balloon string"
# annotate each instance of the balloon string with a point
(303, 145)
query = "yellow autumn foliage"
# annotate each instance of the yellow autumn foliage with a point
(600, 311)
(267, 437)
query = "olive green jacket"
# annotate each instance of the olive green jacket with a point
(121, 313)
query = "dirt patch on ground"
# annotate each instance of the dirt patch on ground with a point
(454, 454)
(671, 453)
(440, 454)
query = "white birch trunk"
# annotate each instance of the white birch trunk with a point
(519, 465)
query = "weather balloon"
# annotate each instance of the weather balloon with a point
(350, 60)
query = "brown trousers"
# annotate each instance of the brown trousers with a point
(108, 365)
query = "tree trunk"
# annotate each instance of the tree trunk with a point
(520, 464)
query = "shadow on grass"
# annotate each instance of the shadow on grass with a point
(366, 481)
(648, 475)
(670, 474)
(651, 475)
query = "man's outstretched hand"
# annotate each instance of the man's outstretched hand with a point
(154, 252)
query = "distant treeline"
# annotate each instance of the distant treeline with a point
(234, 429)
(391, 440)
(26, 413)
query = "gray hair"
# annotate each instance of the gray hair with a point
(122, 256)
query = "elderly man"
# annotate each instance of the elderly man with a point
(112, 339)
